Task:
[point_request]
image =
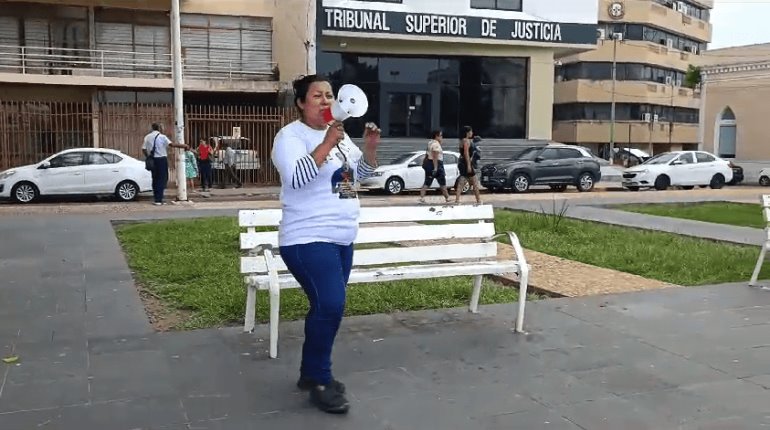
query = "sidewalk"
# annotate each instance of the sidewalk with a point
(677, 358)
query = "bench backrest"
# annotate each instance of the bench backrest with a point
(381, 228)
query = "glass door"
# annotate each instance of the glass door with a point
(410, 115)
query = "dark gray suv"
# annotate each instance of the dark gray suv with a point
(556, 165)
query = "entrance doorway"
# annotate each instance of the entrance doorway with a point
(410, 115)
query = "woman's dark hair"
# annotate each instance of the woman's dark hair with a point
(435, 133)
(302, 85)
(465, 130)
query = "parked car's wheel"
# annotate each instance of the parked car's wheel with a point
(633, 188)
(558, 188)
(394, 185)
(24, 192)
(662, 182)
(717, 182)
(519, 182)
(127, 191)
(764, 181)
(585, 182)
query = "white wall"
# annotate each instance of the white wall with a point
(572, 11)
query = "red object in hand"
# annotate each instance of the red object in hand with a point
(328, 115)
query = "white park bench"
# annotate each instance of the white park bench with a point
(765, 201)
(432, 251)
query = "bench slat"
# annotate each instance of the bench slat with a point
(369, 257)
(272, 217)
(423, 271)
(391, 234)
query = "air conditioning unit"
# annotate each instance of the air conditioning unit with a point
(617, 36)
(669, 43)
(681, 7)
(646, 117)
(602, 34)
(693, 49)
(668, 80)
(678, 82)
(655, 118)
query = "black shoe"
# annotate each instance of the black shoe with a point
(329, 400)
(306, 384)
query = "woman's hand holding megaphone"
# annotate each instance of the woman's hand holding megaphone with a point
(335, 133)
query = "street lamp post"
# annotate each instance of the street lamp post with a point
(176, 50)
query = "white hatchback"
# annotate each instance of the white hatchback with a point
(685, 169)
(405, 173)
(80, 171)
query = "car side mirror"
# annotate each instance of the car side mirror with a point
(539, 158)
(45, 165)
(413, 164)
(676, 162)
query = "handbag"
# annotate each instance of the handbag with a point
(149, 162)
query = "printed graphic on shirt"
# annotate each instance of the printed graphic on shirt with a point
(343, 182)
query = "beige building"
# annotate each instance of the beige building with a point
(735, 93)
(99, 72)
(656, 109)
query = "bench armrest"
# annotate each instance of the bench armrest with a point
(518, 252)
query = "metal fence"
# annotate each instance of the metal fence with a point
(31, 131)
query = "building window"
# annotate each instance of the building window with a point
(497, 4)
(688, 8)
(727, 134)
(623, 112)
(383, 1)
(409, 96)
(654, 34)
(601, 70)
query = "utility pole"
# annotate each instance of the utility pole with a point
(176, 53)
(674, 88)
(612, 107)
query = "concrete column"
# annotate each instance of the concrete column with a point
(95, 113)
(541, 83)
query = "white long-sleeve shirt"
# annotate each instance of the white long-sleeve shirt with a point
(312, 212)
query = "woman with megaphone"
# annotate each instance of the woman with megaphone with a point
(319, 165)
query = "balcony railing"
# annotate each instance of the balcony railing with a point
(34, 60)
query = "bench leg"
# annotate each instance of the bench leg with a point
(523, 279)
(758, 267)
(275, 307)
(251, 309)
(476, 293)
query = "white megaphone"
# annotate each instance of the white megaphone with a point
(351, 102)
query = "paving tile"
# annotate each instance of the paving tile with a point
(129, 374)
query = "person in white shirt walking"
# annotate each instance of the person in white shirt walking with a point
(433, 164)
(156, 145)
(319, 165)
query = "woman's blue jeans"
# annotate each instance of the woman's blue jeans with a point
(323, 270)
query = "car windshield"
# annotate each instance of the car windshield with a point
(661, 158)
(528, 154)
(401, 159)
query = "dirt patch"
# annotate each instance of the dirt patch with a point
(567, 278)
(162, 317)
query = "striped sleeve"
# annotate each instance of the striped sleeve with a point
(292, 160)
(305, 171)
(364, 170)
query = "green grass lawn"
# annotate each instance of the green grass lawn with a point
(740, 214)
(197, 269)
(664, 256)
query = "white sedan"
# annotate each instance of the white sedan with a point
(405, 173)
(684, 169)
(81, 171)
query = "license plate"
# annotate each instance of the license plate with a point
(485, 178)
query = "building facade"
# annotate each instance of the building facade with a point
(735, 86)
(99, 72)
(653, 43)
(443, 64)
